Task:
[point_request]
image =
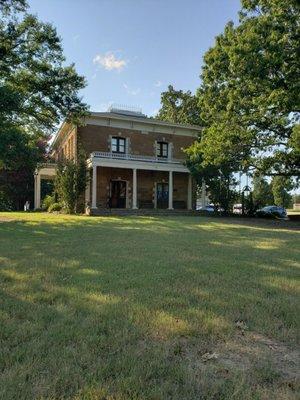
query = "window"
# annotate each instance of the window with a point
(117, 145)
(162, 149)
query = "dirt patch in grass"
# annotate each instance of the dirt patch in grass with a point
(265, 362)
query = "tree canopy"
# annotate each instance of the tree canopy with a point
(281, 186)
(37, 90)
(250, 92)
(179, 107)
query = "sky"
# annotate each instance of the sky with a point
(131, 50)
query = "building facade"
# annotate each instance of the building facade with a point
(134, 162)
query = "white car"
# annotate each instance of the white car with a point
(237, 209)
(208, 208)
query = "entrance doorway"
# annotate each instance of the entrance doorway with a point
(162, 195)
(118, 194)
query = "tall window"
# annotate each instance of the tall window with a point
(162, 149)
(118, 145)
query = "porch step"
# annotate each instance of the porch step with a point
(141, 212)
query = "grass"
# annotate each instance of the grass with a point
(147, 308)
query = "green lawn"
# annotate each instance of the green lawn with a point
(147, 308)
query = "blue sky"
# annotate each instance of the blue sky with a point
(131, 50)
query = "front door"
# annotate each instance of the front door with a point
(162, 195)
(118, 194)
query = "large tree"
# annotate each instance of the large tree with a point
(250, 92)
(37, 90)
(281, 186)
(262, 192)
(179, 107)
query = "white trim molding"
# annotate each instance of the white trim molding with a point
(141, 124)
(104, 160)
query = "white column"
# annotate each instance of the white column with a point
(189, 195)
(203, 193)
(170, 190)
(94, 187)
(134, 189)
(37, 191)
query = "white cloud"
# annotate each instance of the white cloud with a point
(131, 91)
(158, 83)
(109, 61)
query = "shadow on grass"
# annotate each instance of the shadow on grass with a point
(95, 303)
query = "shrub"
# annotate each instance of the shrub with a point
(70, 183)
(5, 203)
(47, 202)
(54, 207)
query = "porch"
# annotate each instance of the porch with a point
(137, 182)
(129, 182)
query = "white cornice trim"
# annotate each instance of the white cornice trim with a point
(128, 164)
(142, 124)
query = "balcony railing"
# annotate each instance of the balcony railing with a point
(134, 157)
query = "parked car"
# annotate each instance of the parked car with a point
(271, 212)
(237, 209)
(209, 208)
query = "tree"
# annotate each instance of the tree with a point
(182, 107)
(37, 90)
(219, 180)
(280, 188)
(8, 6)
(262, 192)
(250, 92)
(179, 107)
(296, 198)
(70, 183)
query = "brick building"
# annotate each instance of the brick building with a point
(133, 161)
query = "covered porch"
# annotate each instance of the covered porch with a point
(137, 183)
(129, 183)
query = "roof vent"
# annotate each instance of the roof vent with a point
(126, 110)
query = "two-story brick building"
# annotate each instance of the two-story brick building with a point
(133, 161)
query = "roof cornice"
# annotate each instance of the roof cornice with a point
(137, 123)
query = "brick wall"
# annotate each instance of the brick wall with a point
(97, 138)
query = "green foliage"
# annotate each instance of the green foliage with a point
(5, 202)
(249, 97)
(180, 107)
(54, 207)
(41, 89)
(9, 6)
(48, 201)
(219, 179)
(70, 183)
(280, 188)
(37, 90)
(262, 192)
